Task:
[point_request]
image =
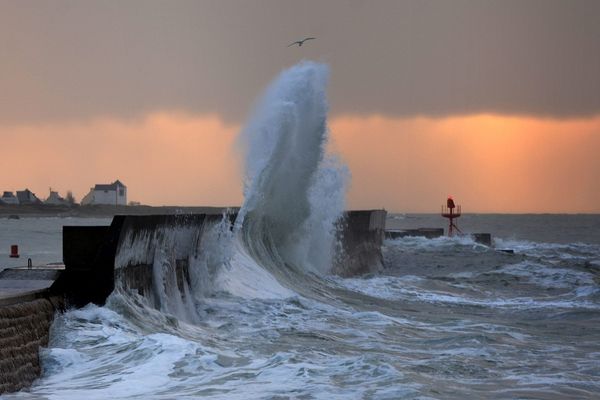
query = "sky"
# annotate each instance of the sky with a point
(494, 102)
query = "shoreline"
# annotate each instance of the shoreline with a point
(95, 211)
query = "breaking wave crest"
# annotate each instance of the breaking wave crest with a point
(294, 192)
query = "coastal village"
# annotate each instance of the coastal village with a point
(101, 194)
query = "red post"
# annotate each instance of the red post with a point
(450, 213)
(14, 251)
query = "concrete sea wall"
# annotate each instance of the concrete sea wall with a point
(170, 241)
(164, 243)
(98, 258)
(361, 235)
(24, 328)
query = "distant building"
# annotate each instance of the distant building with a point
(55, 199)
(9, 198)
(27, 197)
(111, 194)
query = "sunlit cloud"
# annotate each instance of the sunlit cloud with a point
(164, 158)
(489, 163)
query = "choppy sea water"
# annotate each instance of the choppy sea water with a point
(447, 318)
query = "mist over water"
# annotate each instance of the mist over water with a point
(262, 316)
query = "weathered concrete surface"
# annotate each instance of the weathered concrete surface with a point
(24, 328)
(361, 235)
(26, 312)
(19, 283)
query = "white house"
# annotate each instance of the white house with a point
(110, 194)
(55, 199)
(9, 198)
(27, 197)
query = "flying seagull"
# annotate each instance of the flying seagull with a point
(301, 42)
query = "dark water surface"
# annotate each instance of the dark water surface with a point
(446, 319)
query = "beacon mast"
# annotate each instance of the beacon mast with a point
(451, 211)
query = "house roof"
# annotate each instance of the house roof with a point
(26, 195)
(110, 186)
(54, 194)
(104, 187)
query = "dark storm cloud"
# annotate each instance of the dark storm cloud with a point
(72, 59)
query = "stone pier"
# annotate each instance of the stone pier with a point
(29, 298)
(26, 312)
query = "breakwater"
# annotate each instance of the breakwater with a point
(150, 255)
(360, 236)
(27, 308)
(24, 328)
(154, 253)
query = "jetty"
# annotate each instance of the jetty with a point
(96, 257)
(27, 309)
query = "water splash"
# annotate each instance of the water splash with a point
(294, 192)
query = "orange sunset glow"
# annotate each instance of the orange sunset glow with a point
(162, 158)
(490, 163)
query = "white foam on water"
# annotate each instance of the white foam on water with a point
(398, 288)
(560, 251)
(439, 243)
(243, 277)
(545, 276)
(111, 358)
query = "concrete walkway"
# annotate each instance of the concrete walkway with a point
(22, 284)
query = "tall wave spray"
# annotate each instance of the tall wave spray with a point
(294, 191)
(294, 195)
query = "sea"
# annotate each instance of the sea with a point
(444, 318)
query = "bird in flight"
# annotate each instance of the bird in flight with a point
(301, 42)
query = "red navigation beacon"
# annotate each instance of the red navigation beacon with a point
(451, 211)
